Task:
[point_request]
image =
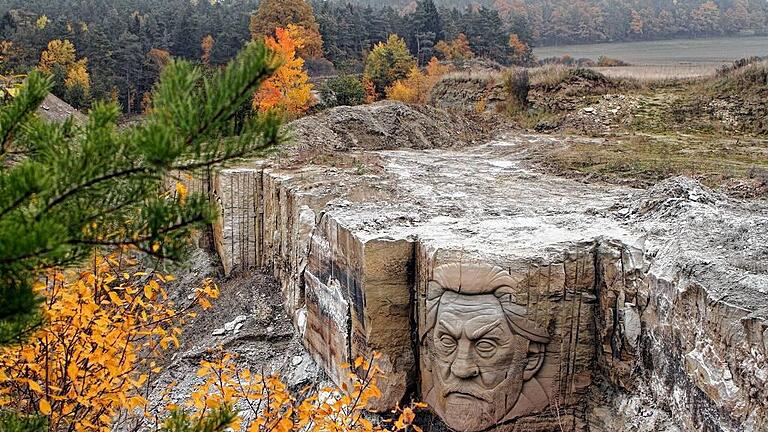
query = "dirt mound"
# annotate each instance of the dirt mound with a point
(56, 110)
(563, 89)
(384, 126)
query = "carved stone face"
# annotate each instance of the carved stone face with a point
(479, 361)
(482, 351)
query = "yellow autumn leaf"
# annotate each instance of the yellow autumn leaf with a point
(34, 386)
(72, 371)
(181, 191)
(45, 407)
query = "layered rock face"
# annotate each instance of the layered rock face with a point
(512, 300)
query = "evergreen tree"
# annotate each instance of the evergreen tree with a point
(427, 29)
(66, 189)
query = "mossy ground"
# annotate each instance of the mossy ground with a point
(738, 165)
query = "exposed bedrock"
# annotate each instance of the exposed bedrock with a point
(514, 300)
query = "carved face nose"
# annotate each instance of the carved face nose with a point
(464, 366)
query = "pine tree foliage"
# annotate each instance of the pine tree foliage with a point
(66, 189)
(218, 419)
(9, 422)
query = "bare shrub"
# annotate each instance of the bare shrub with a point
(516, 86)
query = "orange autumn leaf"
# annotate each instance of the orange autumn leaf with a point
(45, 407)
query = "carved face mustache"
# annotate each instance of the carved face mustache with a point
(468, 389)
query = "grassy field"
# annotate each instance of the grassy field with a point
(662, 60)
(648, 73)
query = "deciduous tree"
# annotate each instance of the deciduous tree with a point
(418, 85)
(59, 52)
(207, 47)
(455, 50)
(104, 335)
(521, 52)
(288, 89)
(388, 62)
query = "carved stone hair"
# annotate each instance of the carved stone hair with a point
(479, 279)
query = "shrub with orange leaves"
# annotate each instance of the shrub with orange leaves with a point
(268, 405)
(370, 90)
(288, 88)
(416, 86)
(105, 330)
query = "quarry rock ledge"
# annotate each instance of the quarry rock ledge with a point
(514, 300)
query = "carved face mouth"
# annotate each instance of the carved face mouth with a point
(464, 396)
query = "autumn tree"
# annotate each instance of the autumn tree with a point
(274, 14)
(71, 78)
(388, 62)
(706, 18)
(206, 46)
(106, 330)
(521, 52)
(59, 52)
(268, 405)
(456, 50)
(288, 89)
(416, 87)
(310, 42)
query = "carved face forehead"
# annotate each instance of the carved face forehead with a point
(472, 316)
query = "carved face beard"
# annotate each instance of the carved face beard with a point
(488, 406)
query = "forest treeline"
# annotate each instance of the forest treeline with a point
(118, 47)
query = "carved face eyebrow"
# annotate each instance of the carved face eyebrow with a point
(482, 331)
(448, 328)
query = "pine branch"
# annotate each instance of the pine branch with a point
(29, 98)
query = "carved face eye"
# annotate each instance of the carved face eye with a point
(485, 347)
(448, 342)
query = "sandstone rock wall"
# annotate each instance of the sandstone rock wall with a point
(513, 300)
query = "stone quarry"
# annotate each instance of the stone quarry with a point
(505, 298)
